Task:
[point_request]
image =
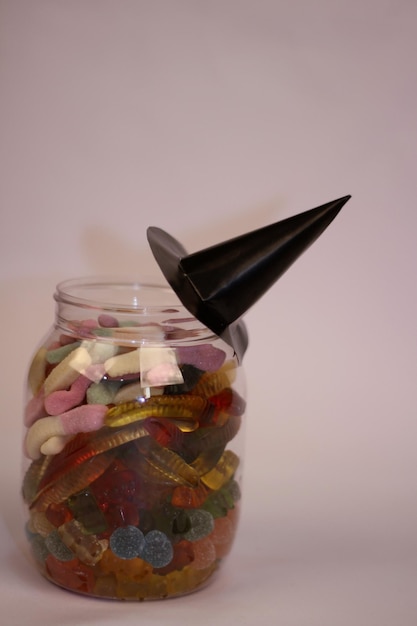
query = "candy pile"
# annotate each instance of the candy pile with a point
(132, 490)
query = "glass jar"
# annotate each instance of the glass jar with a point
(133, 444)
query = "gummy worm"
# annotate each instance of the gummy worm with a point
(48, 435)
(167, 464)
(182, 407)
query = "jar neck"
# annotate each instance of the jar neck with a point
(125, 310)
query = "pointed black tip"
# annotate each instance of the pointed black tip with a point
(219, 284)
(342, 201)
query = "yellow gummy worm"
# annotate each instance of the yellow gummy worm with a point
(36, 374)
(207, 460)
(166, 464)
(212, 383)
(68, 370)
(76, 479)
(222, 472)
(40, 524)
(33, 477)
(104, 440)
(181, 407)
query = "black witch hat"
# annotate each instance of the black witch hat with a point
(220, 283)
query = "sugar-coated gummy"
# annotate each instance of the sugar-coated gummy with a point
(204, 553)
(202, 524)
(57, 547)
(127, 542)
(39, 548)
(158, 549)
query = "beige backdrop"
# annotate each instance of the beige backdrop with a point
(211, 118)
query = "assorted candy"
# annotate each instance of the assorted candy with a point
(132, 485)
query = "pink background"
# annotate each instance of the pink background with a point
(210, 119)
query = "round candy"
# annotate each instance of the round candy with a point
(204, 554)
(57, 547)
(202, 524)
(40, 551)
(127, 542)
(234, 490)
(158, 549)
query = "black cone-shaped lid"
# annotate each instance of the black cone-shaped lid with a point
(220, 283)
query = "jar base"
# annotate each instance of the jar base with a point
(154, 586)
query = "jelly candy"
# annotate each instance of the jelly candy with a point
(39, 548)
(128, 508)
(39, 523)
(33, 478)
(209, 437)
(58, 354)
(105, 586)
(158, 366)
(212, 383)
(201, 524)
(207, 460)
(204, 356)
(72, 575)
(222, 472)
(165, 432)
(88, 548)
(82, 449)
(183, 555)
(157, 549)
(107, 321)
(177, 407)
(165, 465)
(228, 400)
(127, 542)
(124, 514)
(84, 418)
(124, 570)
(57, 547)
(128, 363)
(67, 371)
(189, 497)
(58, 513)
(116, 486)
(102, 392)
(76, 479)
(204, 553)
(219, 502)
(85, 508)
(181, 523)
(222, 536)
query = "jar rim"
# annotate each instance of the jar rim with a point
(123, 294)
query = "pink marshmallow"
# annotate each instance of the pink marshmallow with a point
(64, 340)
(108, 321)
(205, 356)
(64, 399)
(84, 328)
(162, 374)
(83, 419)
